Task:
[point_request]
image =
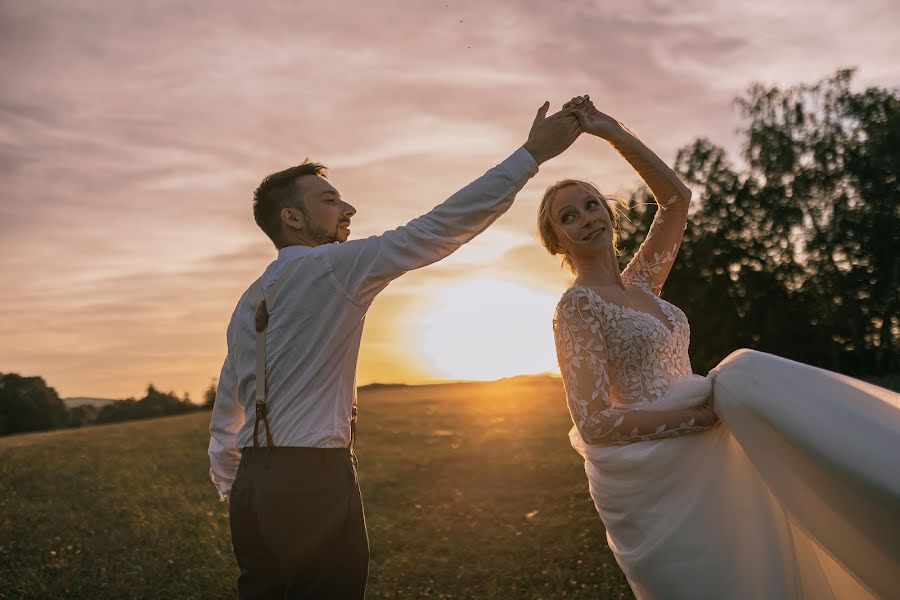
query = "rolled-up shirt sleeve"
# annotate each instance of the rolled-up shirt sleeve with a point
(227, 419)
(364, 267)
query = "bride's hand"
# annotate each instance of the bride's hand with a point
(594, 121)
(705, 416)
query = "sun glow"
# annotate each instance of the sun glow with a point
(486, 329)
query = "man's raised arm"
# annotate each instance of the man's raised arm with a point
(364, 267)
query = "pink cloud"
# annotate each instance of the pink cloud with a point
(133, 134)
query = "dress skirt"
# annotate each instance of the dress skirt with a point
(795, 495)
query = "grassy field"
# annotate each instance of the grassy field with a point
(471, 491)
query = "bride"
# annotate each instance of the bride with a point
(795, 494)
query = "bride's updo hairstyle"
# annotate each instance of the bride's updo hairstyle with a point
(549, 239)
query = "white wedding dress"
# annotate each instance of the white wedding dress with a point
(796, 494)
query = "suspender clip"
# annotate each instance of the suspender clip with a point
(262, 413)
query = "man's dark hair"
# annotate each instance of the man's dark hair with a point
(278, 191)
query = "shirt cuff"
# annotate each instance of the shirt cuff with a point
(520, 165)
(222, 487)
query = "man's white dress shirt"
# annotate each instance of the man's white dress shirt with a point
(316, 322)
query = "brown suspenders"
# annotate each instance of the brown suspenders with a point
(262, 321)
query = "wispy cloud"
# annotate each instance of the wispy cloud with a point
(132, 135)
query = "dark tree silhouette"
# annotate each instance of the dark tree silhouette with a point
(29, 404)
(153, 404)
(209, 396)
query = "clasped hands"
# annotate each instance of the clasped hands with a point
(550, 136)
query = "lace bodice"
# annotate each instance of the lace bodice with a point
(613, 357)
(643, 356)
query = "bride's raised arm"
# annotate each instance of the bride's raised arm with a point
(653, 260)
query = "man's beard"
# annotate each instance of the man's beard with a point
(320, 235)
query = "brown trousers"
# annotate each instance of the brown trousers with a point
(297, 525)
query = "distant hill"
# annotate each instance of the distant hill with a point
(83, 400)
(539, 377)
(100, 402)
(535, 378)
(381, 386)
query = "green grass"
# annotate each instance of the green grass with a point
(470, 490)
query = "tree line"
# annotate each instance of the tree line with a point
(29, 404)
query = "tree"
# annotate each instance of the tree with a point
(79, 416)
(153, 404)
(835, 154)
(29, 404)
(209, 396)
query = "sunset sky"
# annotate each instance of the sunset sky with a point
(132, 135)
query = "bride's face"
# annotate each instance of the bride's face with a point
(581, 222)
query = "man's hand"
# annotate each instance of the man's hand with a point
(550, 136)
(592, 120)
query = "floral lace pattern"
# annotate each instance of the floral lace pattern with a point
(653, 260)
(613, 356)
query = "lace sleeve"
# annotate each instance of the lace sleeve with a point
(653, 260)
(582, 354)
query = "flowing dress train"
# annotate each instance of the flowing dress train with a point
(796, 495)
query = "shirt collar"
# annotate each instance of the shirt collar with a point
(294, 252)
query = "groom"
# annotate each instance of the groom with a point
(283, 421)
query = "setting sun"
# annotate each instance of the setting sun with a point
(486, 329)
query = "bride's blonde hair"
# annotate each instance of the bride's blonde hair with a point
(549, 239)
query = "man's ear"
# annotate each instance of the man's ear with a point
(293, 218)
